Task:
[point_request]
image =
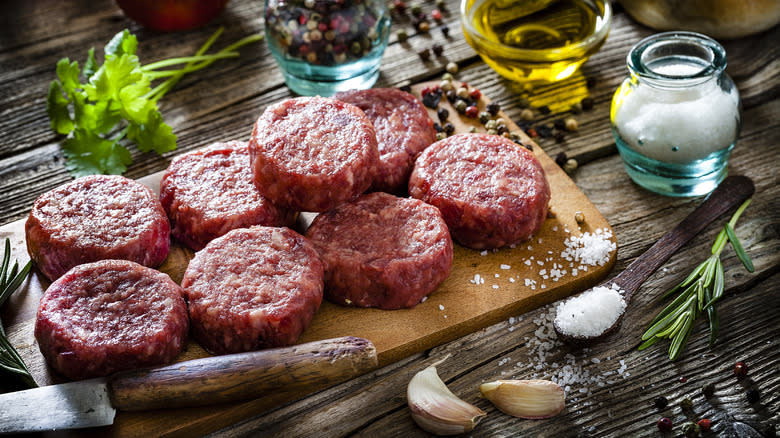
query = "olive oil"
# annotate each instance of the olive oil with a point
(536, 40)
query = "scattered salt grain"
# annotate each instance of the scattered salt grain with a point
(495, 286)
(505, 267)
(590, 313)
(425, 298)
(483, 253)
(441, 307)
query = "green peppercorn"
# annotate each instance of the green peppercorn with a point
(402, 36)
(576, 108)
(691, 430)
(447, 76)
(446, 85)
(460, 106)
(492, 131)
(462, 92)
(490, 124)
(451, 68)
(514, 135)
(570, 166)
(416, 9)
(473, 130)
(500, 122)
(484, 116)
(441, 135)
(527, 114)
(441, 5)
(686, 404)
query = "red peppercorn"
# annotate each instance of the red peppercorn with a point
(436, 14)
(323, 27)
(475, 94)
(472, 112)
(740, 369)
(301, 20)
(464, 85)
(704, 424)
(683, 379)
(532, 132)
(664, 424)
(425, 91)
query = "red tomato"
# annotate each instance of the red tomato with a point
(168, 15)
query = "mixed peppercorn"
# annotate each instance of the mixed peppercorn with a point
(326, 33)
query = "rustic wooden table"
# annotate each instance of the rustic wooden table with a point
(610, 386)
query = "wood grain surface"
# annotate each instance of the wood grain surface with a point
(221, 102)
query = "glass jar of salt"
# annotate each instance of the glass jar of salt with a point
(677, 116)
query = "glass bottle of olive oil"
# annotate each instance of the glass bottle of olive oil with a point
(536, 40)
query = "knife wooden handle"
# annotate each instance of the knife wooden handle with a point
(243, 376)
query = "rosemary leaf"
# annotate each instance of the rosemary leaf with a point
(701, 289)
(6, 260)
(10, 281)
(735, 243)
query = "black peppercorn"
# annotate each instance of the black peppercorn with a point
(660, 402)
(502, 129)
(406, 88)
(708, 390)
(587, 103)
(438, 50)
(544, 131)
(493, 108)
(443, 114)
(437, 127)
(753, 395)
(559, 124)
(424, 54)
(445, 30)
(432, 98)
(545, 109)
(449, 128)
(451, 96)
(559, 137)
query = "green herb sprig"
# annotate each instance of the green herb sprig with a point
(117, 101)
(701, 290)
(10, 280)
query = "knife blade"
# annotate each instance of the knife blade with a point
(233, 377)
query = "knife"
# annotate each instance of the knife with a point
(206, 381)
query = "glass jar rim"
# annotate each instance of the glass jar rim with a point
(598, 35)
(709, 51)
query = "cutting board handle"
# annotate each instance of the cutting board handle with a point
(243, 376)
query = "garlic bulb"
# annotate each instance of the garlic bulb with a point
(531, 399)
(436, 409)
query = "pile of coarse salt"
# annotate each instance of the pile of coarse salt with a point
(546, 357)
(590, 313)
(590, 248)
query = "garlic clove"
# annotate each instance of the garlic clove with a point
(530, 399)
(436, 409)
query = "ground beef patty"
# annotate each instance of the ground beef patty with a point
(108, 316)
(491, 192)
(95, 218)
(313, 153)
(382, 251)
(403, 130)
(209, 192)
(253, 288)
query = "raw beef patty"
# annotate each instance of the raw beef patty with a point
(313, 153)
(108, 316)
(403, 130)
(209, 192)
(491, 192)
(253, 288)
(95, 218)
(382, 251)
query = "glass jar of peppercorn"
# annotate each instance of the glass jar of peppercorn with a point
(326, 46)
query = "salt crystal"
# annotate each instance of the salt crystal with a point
(495, 286)
(505, 267)
(483, 253)
(590, 248)
(425, 298)
(511, 280)
(441, 307)
(590, 313)
(496, 275)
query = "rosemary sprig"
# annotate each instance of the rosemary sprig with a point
(701, 290)
(10, 280)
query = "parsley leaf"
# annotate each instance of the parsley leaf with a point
(116, 100)
(57, 108)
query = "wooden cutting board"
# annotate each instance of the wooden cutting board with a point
(510, 285)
